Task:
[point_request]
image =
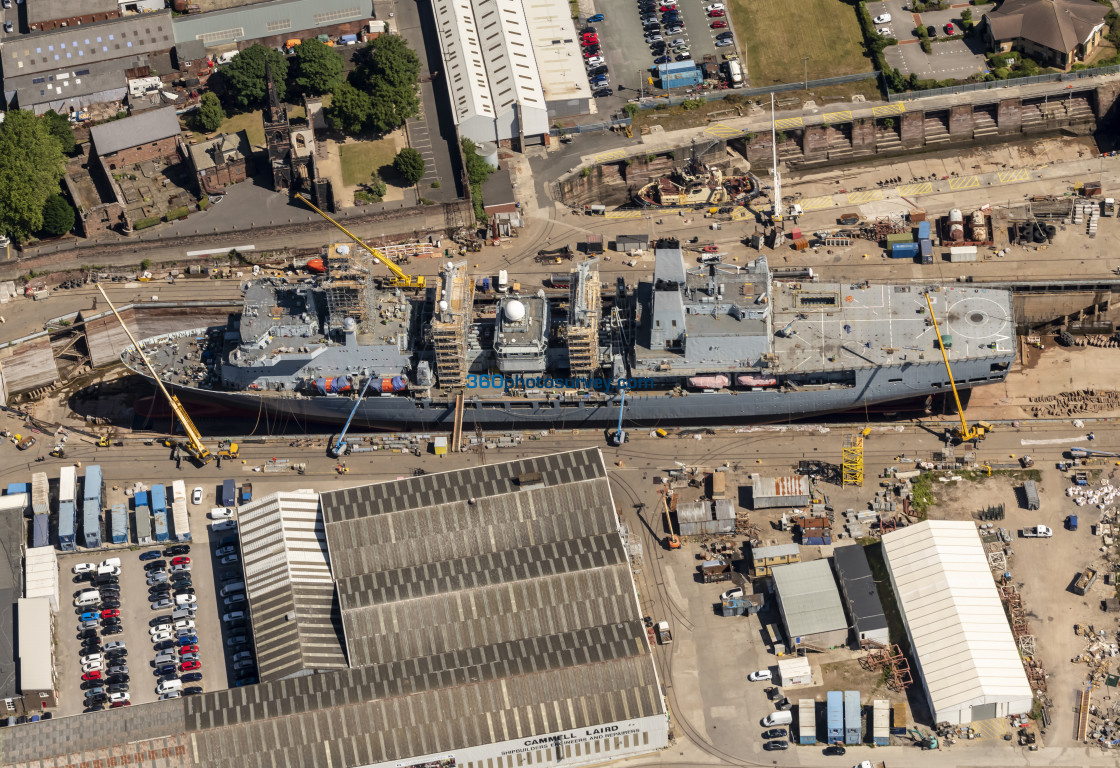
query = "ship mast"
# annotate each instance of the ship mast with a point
(777, 216)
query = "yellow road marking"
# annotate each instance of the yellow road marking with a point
(721, 130)
(837, 117)
(964, 182)
(1010, 177)
(857, 198)
(789, 122)
(614, 154)
(624, 214)
(923, 188)
(815, 203)
(889, 109)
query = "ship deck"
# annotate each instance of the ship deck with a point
(844, 326)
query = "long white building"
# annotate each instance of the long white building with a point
(501, 79)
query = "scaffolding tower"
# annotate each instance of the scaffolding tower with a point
(583, 327)
(852, 465)
(454, 306)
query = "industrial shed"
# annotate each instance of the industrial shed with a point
(40, 574)
(967, 659)
(861, 595)
(296, 625)
(794, 671)
(787, 491)
(699, 517)
(35, 653)
(810, 605)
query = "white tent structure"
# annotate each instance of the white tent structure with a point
(967, 659)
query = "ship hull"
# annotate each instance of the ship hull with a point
(876, 390)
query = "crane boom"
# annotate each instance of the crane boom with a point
(400, 279)
(340, 444)
(966, 433)
(194, 440)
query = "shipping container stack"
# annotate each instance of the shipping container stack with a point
(835, 709)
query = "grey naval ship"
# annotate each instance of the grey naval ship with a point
(700, 344)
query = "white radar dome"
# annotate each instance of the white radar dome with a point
(515, 311)
(349, 324)
(342, 249)
(443, 305)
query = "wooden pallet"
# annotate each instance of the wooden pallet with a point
(1083, 715)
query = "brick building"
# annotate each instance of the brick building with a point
(147, 136)
(45, 15)
(220, 162)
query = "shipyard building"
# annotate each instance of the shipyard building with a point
(481, 618)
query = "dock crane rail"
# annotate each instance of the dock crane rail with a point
(194, 443)
(400, 278)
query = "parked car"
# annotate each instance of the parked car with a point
(724, 43)
(950, 29)
(716, 14)
(196, 495)
(177, 549)
(94, 675)
(884, 18)
(156, 579)
(192, 677)
(84, 568)
(245, 664)
(188, 648)
(774, 733)
(165, 671)
(157, 565)
(190, 666)
(184, 568)
(230, 559)
(159, 637)
(118, 669)
(719, 24)
(151, 554)
(760, 675)
(170, 695)
(775, 745)
(111, 603)
(187, 639)
(596, 17)
(116, 645)
(835, 750)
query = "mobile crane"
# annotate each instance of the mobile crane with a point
(671, 541)
(619, 436)
(338, 448)
(964, 433)
(399, 279)
(194, 446)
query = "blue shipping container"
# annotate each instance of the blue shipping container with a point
(19, 488)
(923, 230)
(835, 706)
(925, 246)
(41, 531)
(91, 523)
(816, 541)
(229, 494)
(140, 500)
(92, 487)
(904, 250)
(119, 525)
(66, 524)
(159, 499)
(853, 724)
(161, 531)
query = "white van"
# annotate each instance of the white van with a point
(167, 686)
(186, 612)
(109, 570)
(777, 718)
(112, 562)
(89, 597)
(229, 589)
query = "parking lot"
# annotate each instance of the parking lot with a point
(131, 593)
(955, 59)
(629, 57)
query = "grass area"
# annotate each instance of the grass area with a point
(777, 33)
(360, 159)
(250, 122)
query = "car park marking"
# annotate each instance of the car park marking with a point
(843, 116)
(858, 198)
(1011, 177)
(964, 182)
(789, 122)
(889, 109)
(816, 203)
(614, 154)
(624, 214)
(924, 188)
(722, 131)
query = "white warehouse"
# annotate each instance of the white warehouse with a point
(967, 659)
(500, 77)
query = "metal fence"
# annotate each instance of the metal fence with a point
(1055, 77)
(658, 101)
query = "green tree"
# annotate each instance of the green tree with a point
(244, 79)
(59, 127)
(31, 165)
(478, 170)
(388, 71)
(376, 185)
(350, 109)
(409, 164)
(318, 67)
(210, 112)
(58, 216)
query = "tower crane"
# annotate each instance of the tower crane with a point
(400, 279)
(194, 445)
(964, 433)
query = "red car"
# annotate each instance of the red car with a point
(112, 613)
(719, 24)
(188, 649)
(669, 7)
(181, 561)
(589, 54)
(117, 704)
(95, 675)
(716, 13)
(591, 40)
(190, 666)
(950, 29)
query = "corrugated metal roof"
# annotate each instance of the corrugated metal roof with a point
(36, 646)
(288, 584)
(953, 615)
(280, 17)
(859, 587)
(79, 47)
(772, 487)
(810, 599)
(775, 550)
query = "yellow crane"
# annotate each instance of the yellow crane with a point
(671, 541)
(399, 279)
(964, 433)
(194, 444)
